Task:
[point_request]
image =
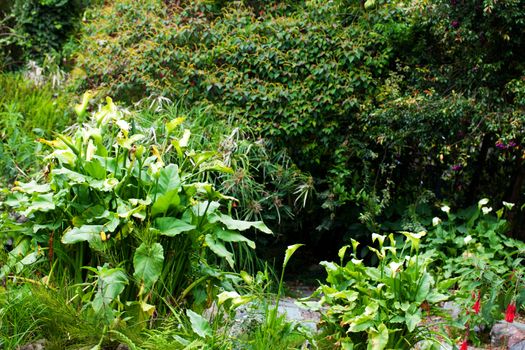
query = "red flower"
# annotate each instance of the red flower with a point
(477, 306)
(464, 345)
(510, 313)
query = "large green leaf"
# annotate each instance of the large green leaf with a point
(31, 187)
(239, 225)
(199, 324)
(229, 236)
(219, 249)
(378, 338)
(85, 233)
(40, 202)
(412, 318)
(148, 261)
(171, 227)
(423, 287)
(167, 189)
(111, 282)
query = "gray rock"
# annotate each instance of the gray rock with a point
(38, 345)
(518, 346)
(507, 334)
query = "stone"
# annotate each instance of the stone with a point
(508, 334)
(518, 346)
(38, 345)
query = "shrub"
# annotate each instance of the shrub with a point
(381, 307)
(138, 214)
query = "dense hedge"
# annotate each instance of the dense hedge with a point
(386, 104)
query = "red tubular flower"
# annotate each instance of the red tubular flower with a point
(510, 313)
(464, 345)
(476, 307)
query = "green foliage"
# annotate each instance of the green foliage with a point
(381, 307)
(35, 28)
(111, 196)
(26, 113)
(473, 249)
(361, 95)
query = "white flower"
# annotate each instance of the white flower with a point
(445, 208)
(508, 205)
(486, 210)
(483, 202)
(467, 239)
(436, 221)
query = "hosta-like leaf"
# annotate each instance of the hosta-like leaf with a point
(40, 202)
(424, 287)
(229, 236)
(72, 176)
(171, 227)
(31, 187)
(219, 249)
(111, 282)
(147, 262)
(203, 208)
(86, 233)
(199, 324)
(239, 225)
(167, 189)
(378, 338)
(412, 319)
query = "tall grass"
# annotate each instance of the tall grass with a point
(26, 113)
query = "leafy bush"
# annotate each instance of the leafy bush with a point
(34, 28)
(381, 307)
(471, 247)
(356, 104)
(114, 202)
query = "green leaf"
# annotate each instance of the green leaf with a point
(147, 262)
(40, 202)
(229, 236)
(171, 227)
(216, 165)
(85, 233)
(167, 189)
(239, 225)
(412, 319)
(111, 282)
(31, 187)
(73, 177)
(289, 252)
(199, 324)
(424, 287)
(219, 249)
(378, 338)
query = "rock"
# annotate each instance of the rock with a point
(518, 346)
(507, 334)
(38, 345)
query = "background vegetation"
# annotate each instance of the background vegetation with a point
(332, 122)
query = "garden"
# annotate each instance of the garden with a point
(262, 174)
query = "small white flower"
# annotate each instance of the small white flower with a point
(445, 208)
(467, 239)
(508, 205)
(486, 210)
(436, 221)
